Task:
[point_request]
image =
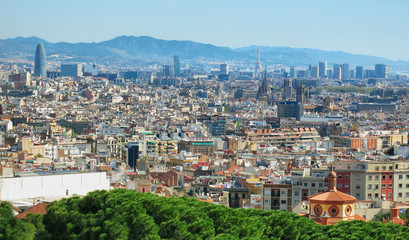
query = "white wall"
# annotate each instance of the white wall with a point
(52, 186)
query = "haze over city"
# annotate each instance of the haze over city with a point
(360, 27)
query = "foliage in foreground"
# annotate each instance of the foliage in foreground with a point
(125, 214)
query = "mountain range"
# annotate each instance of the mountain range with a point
(144, 49)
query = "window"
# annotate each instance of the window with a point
(376, 195)
(407, 194)
(383, 177)
(369, 186)
(283, 192)
(370, 177)
(400, 176)
(358, 177)
(346, 177)
(339, 185)
(400, 194)
(383, 186)
(266, 201)
(390, 176)
(376, 186)
(304, 194)
(320, 184)
(358, 194)
(390, 186)
(296, 193)
(339, 176)
(400, 185)
(305, 184)
(312, 184)
(267, 192)
(390, 195)
(407, 176)
(407, 185)
(346, 185)
(369, 195)
(390, 167)
(383, 167)
(376, 177)
(358, 186)
(283, 201)
(243, 195)
(376, 168)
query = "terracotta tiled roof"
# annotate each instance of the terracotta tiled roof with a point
(37, 209)
(357, 217)
(332, 196)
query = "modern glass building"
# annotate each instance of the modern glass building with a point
(39, 61)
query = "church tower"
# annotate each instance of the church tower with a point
(264, 91)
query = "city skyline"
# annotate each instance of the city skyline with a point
(365, 27)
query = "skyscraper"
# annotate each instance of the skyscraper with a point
(258, 64)
(345, 71)
(359, 72)
(287, 88)
(39, 61)
(176, 66)
(322, 69)
(314, 72)
(337, 71)
(381, 70)
(167, 70)
(293, 73)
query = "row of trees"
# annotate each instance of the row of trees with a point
(125, 214)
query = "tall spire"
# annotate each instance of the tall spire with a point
(258, 55)
(258, 65)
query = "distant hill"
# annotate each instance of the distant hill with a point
(131, 49)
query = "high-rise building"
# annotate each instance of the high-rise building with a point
(176, 66)
(224, 69)
(381, 70)
(300, 94)
(337, 72)
(314, 72)
(258, 64)
(322, 69)
(71, 70)
(40, 61)
(359, 72)
(345, 71)
(329, 73)
(293, 73)
(369, 73)
(167, 70)
(351, 73)
(287, 88)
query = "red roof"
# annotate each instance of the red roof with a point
(37, 209)
(331, 196)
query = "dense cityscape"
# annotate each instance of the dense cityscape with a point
(261, 138)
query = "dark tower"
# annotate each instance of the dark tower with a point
(264, 90)
(39, 61)
(300, 94)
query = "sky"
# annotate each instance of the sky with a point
(370, 27)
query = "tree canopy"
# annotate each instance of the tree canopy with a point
(126, 214)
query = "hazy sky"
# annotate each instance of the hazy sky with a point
(372, 27)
